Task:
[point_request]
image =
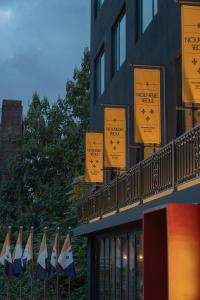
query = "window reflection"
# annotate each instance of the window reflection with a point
(107, 271)
(155, 7)
(124, 268)
(149, 10)
(122, 41)
(118, 269)
(101, 271)
(99, 4)
(100, 74)
(112, 269)
(119, 43)
(139, 267)
(132, 267)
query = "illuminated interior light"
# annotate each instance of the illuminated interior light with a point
(140, 257)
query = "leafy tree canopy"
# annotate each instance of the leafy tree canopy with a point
(39, 189)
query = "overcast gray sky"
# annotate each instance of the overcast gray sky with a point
(41, 41)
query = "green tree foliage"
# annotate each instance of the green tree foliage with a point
(39, 190)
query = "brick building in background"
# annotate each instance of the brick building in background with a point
(11, 123)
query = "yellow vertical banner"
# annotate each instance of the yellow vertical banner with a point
(190, 54)
(94, 157)
(115, 137)
(147, 110)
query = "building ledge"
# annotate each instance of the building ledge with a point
(189, 194)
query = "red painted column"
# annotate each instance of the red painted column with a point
(155, 255)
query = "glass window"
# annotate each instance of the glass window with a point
(155, 7)
(118, 268)
(97, 261)
(101, 270)
(119, 43)
(184, 118)
(100, 75)
(124, 268)
(149, 10)
(112, 269)
(132, 267)
(107, 269)
(99, 4)
(139, 267)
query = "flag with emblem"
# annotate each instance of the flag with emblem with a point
(42, 259)
(17, 257)
(28, 251)
(5, 257)
(54, 255)
(65, 259)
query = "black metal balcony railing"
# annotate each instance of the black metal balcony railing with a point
(175, 163)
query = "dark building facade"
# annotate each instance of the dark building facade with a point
(11, 123)
(159, 43)
(133, 222)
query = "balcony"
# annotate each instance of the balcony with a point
(175, 164)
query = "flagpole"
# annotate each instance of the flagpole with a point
(8, 289)
(69, 289)
(45, 289)
(32, 281)
(20, 289)
(69, 283)
(20, 280)
(45, 230)
(32, 228)
(57, 276)
(57, 286)
(8, 283)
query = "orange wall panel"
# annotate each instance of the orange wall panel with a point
(183, 251)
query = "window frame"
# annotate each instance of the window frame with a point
(116, 45)
(98, 74)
